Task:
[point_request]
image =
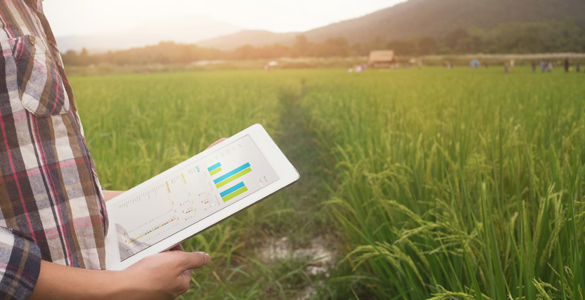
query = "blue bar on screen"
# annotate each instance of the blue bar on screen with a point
(232, 189)
(234, 172)
(217, 165)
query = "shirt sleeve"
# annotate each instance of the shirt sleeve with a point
(20, 264)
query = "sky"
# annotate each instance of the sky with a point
(79, 17)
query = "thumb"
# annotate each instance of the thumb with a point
(194, 260)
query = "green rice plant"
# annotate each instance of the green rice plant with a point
(139, 125)
(462, 184)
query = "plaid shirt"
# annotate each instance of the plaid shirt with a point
(51, 205)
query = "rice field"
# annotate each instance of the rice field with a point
(422, 184)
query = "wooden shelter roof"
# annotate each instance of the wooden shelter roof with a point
(381, 56)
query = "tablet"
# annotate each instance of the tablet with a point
(194, 195)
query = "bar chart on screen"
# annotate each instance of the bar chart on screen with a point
(191, 194)
(229, 177)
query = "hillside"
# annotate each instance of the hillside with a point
(433, 18)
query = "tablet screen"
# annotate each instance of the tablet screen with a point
(185, 197)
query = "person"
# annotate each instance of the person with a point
(53, 215)
(511, 64)
(475, 64)
(533, 67)
(542, 66)
(567, 65)
(549, 67)
(578, 67)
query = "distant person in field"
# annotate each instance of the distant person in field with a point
(578, 69)
(549, 67)
(53, 212)
(542, 66)
(511, 64)
(533, 67)
(567, 65)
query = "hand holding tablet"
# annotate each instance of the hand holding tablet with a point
(194, 195)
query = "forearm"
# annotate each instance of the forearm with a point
(157, 277)
(63, 283)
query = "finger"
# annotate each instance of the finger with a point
(177, 247)
(217, 142)
(194, 260)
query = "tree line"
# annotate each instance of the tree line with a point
(516, 38)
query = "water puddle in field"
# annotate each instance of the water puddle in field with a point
(305, 294)
(318, 255)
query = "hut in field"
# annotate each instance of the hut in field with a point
(381, 58)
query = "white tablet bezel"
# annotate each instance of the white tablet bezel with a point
(286, 172)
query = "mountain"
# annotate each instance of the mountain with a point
(433, 18)
(187, 29)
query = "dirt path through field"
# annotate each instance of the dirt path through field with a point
(301, 235)
(306, 195)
